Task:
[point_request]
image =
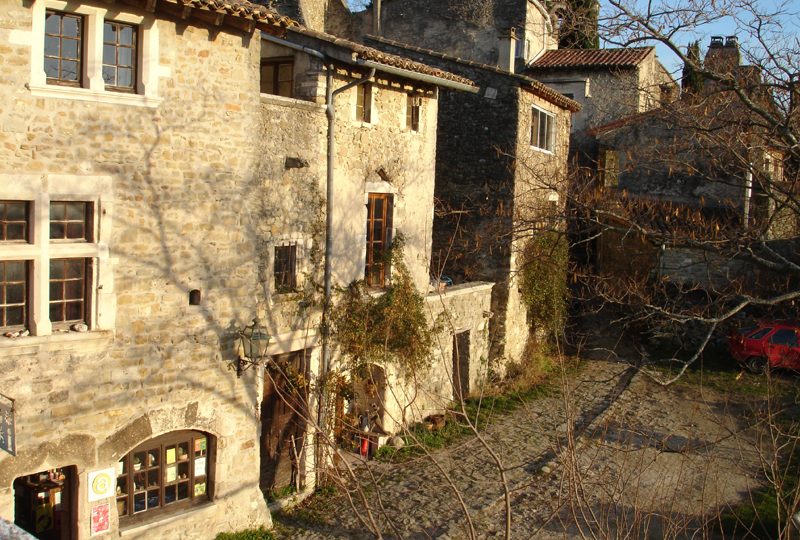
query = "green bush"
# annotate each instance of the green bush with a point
(249, 534)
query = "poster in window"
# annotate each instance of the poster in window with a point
(101, 484)
(100, 518)
(200, 446)
(200, 466)
(172, 473)
(199, 489)
(171, 455)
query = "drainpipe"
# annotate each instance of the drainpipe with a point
(330, 112)
(376, 17)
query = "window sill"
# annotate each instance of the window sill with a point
(93, 341)
(542, 150)
(84, 94)
(159, 519)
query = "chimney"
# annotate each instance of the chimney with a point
(723, 57)
(376, 17)
(508, 48)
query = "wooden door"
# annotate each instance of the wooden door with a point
(460, 365)
(283, 421)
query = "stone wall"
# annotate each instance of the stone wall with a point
(467, 29)
(192, 205)
(461, 308)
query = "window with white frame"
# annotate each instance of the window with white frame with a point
(93, 53)
(542, 129)
(48, 261)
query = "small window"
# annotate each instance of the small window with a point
(68, 290)
(364, 102)
(277, 77)
(70, 221)
(609, 168)
(285, 268)
(119, 56)
(171, 471)
(13, 294)
(13, 221)
(542, 129)
(63, 48)
(784, 336)
(379, 229)
(413, 107)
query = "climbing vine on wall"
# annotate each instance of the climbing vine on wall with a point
(387, 328)
(544, 283)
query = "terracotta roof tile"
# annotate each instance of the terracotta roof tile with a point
(241, 9)
(574, 58)
(537, 87)
(374, 55)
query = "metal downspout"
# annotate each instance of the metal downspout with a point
(330, 112)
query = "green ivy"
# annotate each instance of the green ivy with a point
(250, 534)
(544, 281)
(387, 328)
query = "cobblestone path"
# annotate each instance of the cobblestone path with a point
(415, 500)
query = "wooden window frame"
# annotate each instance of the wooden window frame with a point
(285, 268)
(79, 82)
(377, 269)
(85, 297)
(26, 296)
(413, 111)
(87, 221)
(127, 476)
(364, 103)
(274, 64)
(5, 222)
(542, 129)
(135, 61)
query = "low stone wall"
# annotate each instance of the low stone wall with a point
(461, 308)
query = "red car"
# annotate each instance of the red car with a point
(767, 345)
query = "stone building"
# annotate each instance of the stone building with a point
(705, 157)
(608, 83)
(158, 190)
(384, 160)
(501, 170)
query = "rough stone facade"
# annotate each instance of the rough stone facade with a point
(176, 190)
(192, 183)
(491, 183)
(467, 29)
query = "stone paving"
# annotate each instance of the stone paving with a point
(642, 461)
(415, 500)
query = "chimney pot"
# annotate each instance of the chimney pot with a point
(716, 41)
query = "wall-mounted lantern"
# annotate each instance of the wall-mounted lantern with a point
(253, 343)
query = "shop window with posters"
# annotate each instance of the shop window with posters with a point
(165, 474)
